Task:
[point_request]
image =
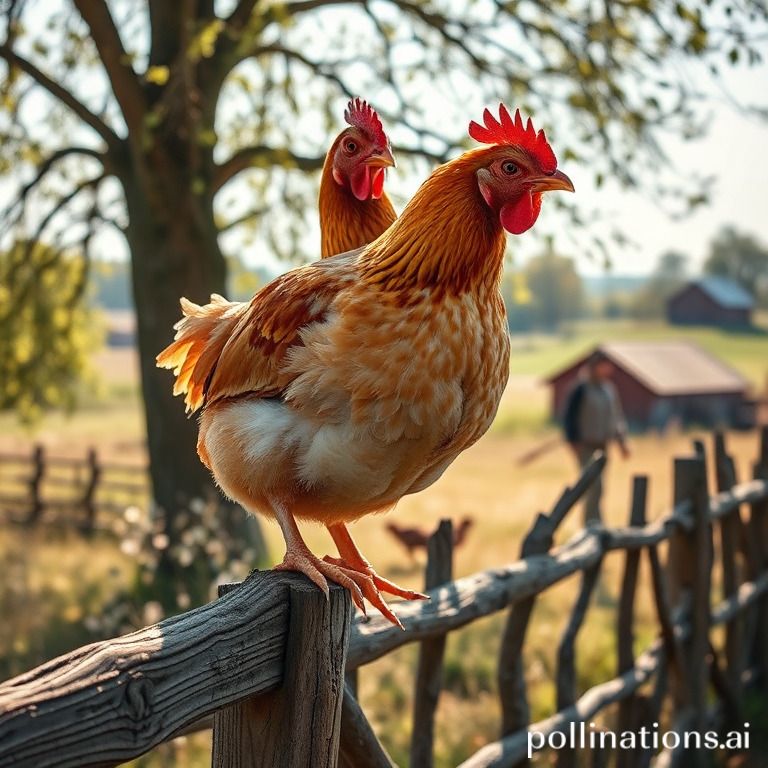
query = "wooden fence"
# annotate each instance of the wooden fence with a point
(274, 664)
(80, 492)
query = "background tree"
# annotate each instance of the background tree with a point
(40, 366)
(136, 116)
(669, 274)
(556, 290)
(740, 257)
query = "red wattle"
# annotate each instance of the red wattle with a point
(521, 215)
(360, 183)
(377, 184)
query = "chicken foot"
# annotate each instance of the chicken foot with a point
(351, 559)
(299, 558)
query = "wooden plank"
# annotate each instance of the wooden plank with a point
(565, 681)
(469, 598)
(566, 671)
(359, 745)
(114, 700)
(692, 564)
(672, 647)
(298, 724)
(88, 499)
(730, 535)
(625, 615)
(515, 712)
(38, 473)
(429, 671)
(572, 495)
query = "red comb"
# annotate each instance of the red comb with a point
(362, 115)
(505, 130)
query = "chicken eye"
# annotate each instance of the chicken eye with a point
(350, 146)
(509, 168)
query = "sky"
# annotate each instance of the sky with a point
(735, 150)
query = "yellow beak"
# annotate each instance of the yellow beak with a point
(382, 159)
(558, 180)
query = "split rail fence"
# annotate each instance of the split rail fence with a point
(272, 664)
(39, 488)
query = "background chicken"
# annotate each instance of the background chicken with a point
(359, 378)
(354, 208)
(414, 538)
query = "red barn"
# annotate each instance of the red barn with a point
(711, 301)
(663, 381)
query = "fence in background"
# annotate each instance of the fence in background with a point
(275, 664)
(40, 488)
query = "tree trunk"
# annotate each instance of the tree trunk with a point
(174, 253)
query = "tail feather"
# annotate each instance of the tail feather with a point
(200, 337)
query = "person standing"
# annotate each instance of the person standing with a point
(594, 418)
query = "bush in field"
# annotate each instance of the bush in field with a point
(213, 545)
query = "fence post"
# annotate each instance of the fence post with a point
(35, 481)
(625, 629)
(730, 535)
(359, 745)
(297, 725)
(89, 495)
(429, 672)
(690, 562)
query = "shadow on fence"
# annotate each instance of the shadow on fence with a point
(275, 664)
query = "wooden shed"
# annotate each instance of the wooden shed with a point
(711, 301)
(664, 381)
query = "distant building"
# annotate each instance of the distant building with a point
(121, 327)
(664, 381)
(714, 301)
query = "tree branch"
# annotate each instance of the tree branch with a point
(43, 169)
(60, 93)
(261, 154)
(241, 14)
(125, 83)
(30, 243)
(254, 213)
(165, 36)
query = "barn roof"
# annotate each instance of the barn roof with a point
(727, 293)
(669, 367)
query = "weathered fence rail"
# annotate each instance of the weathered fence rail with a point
(272, 652)
(80, 492)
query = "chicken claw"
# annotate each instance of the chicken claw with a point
(318, 571)
(371, 584)
(381, 584)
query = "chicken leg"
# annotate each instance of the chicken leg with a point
(299, 558)
(352, 560)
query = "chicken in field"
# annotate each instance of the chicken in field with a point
(354, 209)
(413, 538)
(357, 379)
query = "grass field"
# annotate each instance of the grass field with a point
(48, 596)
